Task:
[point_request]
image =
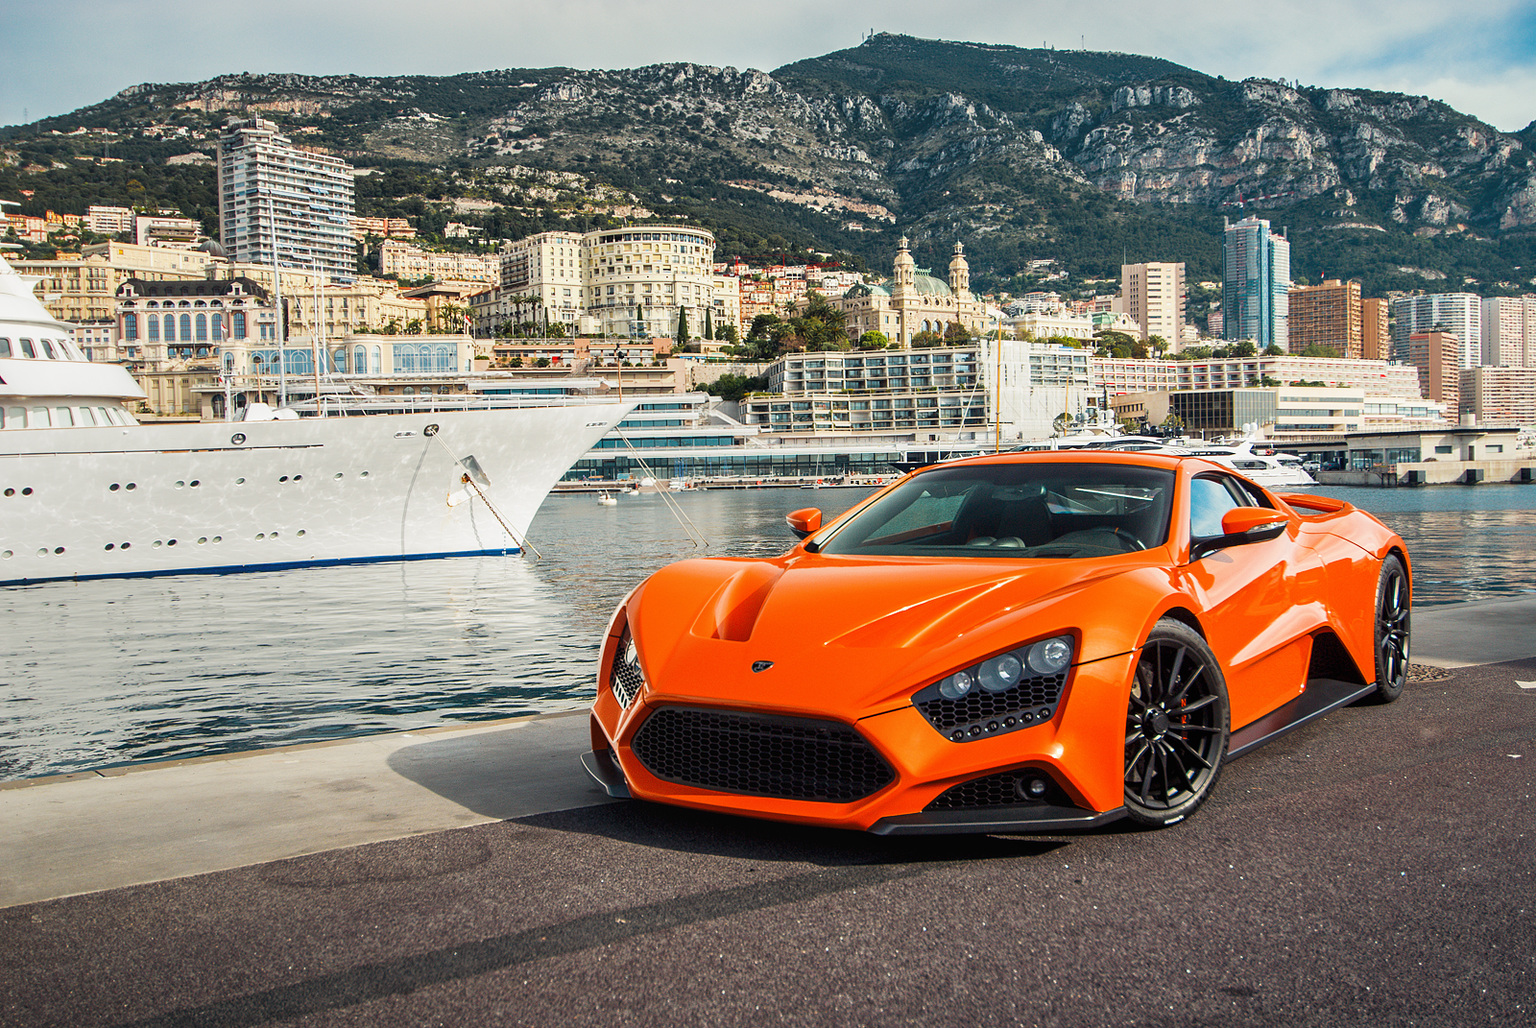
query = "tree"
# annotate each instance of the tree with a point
(1273, 350)
(709, 324)
(926, 338)
(734, 387)
(874, 340)
(682, 327)
(956, 334)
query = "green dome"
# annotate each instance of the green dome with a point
(863, 289)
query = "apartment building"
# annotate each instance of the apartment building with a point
(1375, 336)
(1327, 317)
(638, 281)
(1437, 356)
(1498, 396)
(282, 204)
(547, 269)
(1153, 295)
(405, 261)
(1509, 331)
(1458, 314)
(1255, 285)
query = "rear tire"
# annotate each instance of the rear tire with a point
(1176, 726)
(1393, 629)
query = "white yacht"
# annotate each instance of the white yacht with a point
(88, 492)
(1264, 465)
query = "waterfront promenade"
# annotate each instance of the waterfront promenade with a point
(1375, 867)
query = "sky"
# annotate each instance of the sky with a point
(1479, 56)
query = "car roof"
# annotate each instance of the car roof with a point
(1130, 458)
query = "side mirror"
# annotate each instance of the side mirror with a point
(1241, 525)
(1250, 524)
(804, 522)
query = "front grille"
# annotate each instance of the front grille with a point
(1003, 789)
(624, 679)
(785, 757)
(980, 713)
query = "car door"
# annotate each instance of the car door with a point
(1254, 598)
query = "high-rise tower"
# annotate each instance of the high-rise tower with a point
(277, 199)
(1256, 283)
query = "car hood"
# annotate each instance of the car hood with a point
(851, 635)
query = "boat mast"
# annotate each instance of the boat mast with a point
(277, 300)
(314, 336)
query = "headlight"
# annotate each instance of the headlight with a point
(626, 678)
(1017, 689)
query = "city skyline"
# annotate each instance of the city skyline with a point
(1482, 61)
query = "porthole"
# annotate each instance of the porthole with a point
(181, 485)
(239, 481)
(298, 478)
(273, 535)
(194, 483)
(12, 492)
(27, 491)
(261, 535)
(338, 475)
(170, 542)
(301, 531)
(111, 546)
(132, 486)
(203, 540)
(157, 544)
(6, 554)
(60, 549)
(114, 487)
(363, 475)
(124, 546)
(283, 479)
(43, 552)
(237, 438)
(218, 538)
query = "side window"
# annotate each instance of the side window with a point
(1210, 497)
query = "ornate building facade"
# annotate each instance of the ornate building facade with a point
(913, 301)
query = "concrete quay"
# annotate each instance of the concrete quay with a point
(1374, 867)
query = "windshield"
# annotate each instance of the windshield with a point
(1015, 510)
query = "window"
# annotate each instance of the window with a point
(1211, 496)
(5, 347)
(130, 326)
(152, 322)
(26, 349)
(237, 324)
(202, 328)
(186, 328)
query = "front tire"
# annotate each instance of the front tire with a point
(1393, 629)
(1176, 726)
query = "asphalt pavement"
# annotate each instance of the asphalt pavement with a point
(1374, 868)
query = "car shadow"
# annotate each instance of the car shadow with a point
(723, 835)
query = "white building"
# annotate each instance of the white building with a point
(638, 280)
(1458, 313)
(546, 270)
(1509, 331)
(1153, 295)
(275, 199)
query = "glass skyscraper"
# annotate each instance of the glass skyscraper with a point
(1255, 285)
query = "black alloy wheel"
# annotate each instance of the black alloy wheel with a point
(1176, 726)
(1393, 629)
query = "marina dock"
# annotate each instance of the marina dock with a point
(475, 874)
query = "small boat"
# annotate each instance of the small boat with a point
(607, 500)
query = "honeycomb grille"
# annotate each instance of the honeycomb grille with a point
(624, 679)
(980, 713)
(782, 757)
(1003, 789)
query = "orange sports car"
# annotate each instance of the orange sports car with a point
(1016, 643)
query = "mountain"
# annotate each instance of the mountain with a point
(1022, 154)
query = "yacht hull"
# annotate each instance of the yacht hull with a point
(99, 502)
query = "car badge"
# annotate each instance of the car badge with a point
(761, 665)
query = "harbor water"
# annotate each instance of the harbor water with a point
(111, 672)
